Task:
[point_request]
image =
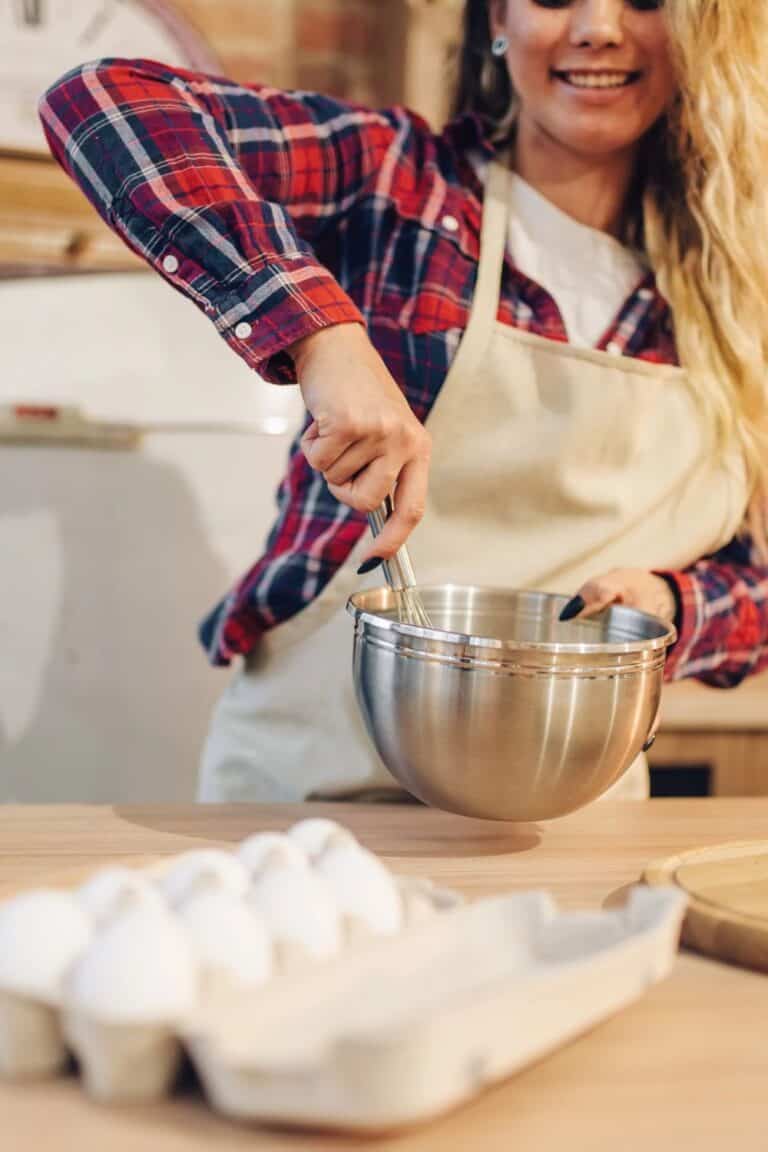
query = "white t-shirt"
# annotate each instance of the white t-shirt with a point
(588, 273)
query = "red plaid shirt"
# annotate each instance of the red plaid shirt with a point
(281, 213)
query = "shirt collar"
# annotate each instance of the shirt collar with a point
(468, 137)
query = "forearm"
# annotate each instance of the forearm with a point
(722, 618)
(202, 180)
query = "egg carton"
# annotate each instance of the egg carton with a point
(414, 1003)
(114, 971)
(396, 1036)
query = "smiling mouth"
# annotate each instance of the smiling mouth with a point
(594, 79)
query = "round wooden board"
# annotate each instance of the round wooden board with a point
(727, 887)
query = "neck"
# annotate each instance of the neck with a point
(591, 189)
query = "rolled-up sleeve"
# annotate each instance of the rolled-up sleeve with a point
(722, 617)
(222, 189)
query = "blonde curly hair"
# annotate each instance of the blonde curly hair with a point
(705, 221)
(699, 208)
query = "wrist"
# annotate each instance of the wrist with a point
(304, 350)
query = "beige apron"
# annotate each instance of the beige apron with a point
(550, 465)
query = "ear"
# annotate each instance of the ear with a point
(497, 17)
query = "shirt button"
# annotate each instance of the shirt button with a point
(450, 223)
(170, 264)
(243, 330)
(613, 348)
(645, 294)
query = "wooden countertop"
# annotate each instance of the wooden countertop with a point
(685, 1068)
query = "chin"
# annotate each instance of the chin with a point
(598, 141)
(599, 148)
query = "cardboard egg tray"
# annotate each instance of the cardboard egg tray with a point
(388, 1032)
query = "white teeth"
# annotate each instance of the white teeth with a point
(597, 79)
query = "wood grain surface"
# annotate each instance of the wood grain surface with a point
(683, 1069)
(727, 886)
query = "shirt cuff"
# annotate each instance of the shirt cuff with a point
(689, 619)
(281, 303)
(278, 299)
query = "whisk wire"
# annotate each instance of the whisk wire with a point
(399, 574)
(410, 608)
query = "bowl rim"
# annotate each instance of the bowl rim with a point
(364, 616)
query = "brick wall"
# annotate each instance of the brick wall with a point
(344, 46)
(348, 48)
(371, 51)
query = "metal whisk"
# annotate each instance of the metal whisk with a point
(398, 572)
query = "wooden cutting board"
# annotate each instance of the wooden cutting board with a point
(727, 886)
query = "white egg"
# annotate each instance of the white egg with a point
(268, 848)
(138, 969)
(111, 889)
(205, 868)
(364, 890)
(313, 835)
(226, 935)
(41, 936)
(297, 908)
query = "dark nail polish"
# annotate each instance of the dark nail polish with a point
(572, 608)
(369, 565)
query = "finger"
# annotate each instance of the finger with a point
(410, 501)
(598, 595)
(574, 607)
(599, 606)
(322, 452)
(351, 463)
(366, 491)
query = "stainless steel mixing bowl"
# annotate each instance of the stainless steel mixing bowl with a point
(500, 710)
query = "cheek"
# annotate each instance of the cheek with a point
(668, 85)
(537, 36)
(529, 57)
(656, 48)
(663, 92)
(524, 75)
(534, 34)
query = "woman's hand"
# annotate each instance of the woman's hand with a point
(631, 586)
(364, 438)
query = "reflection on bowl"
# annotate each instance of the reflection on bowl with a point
(500, 710)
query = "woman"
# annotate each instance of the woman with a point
(498, 296)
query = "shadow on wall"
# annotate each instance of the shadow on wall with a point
(104, 692)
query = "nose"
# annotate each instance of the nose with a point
(597, 23)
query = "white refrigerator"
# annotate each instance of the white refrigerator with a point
(110, 556)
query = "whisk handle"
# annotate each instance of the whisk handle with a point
(398, 570)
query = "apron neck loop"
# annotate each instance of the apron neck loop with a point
(493, 242)
(484, 310)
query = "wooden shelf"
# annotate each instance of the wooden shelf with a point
(46, 224)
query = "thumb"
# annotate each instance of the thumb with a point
(312, 432)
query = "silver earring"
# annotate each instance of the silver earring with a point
(499, 46)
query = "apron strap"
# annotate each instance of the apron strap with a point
(485, 300)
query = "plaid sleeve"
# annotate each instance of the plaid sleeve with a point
(722, 617)
(222, 189)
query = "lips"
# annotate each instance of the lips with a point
(596, 79)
